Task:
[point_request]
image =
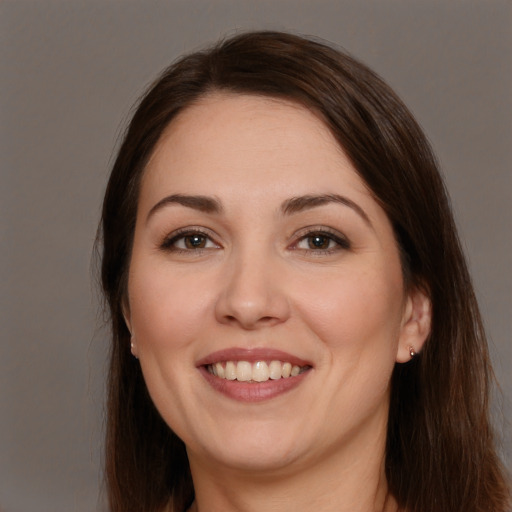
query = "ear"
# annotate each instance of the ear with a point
(125, 308)
(416, 324)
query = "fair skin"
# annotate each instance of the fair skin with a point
(256, 241)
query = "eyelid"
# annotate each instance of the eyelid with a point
(170, 239)
(335, 235)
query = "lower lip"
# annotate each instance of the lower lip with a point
(252, 391)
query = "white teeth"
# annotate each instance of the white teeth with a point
(275, 369)
(259, 371)
(243, 371)
(230, 370)
(219, 370)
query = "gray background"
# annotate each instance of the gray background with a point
(69, 73)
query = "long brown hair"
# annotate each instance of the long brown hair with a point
(440, 449)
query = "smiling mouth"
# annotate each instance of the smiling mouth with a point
(255, 372)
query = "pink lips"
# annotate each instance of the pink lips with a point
(251, 391)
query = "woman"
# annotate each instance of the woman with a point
(293, 322)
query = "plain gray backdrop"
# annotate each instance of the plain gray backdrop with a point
(70, 72)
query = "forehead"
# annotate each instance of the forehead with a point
(261, 112)
(254, 139)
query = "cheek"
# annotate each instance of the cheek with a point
(168, 320)
(166, 310)
(355, 310)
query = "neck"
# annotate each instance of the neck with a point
(348, 480)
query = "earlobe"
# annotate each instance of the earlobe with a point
(416, 324)
(127, 319)
(133, 348)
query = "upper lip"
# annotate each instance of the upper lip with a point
(251, 355)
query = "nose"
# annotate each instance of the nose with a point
(253, 293)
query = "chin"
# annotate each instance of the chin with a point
(252, 450)
(254, 459)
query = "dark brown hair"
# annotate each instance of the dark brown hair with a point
(440, 450)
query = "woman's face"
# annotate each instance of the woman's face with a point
(259, 253)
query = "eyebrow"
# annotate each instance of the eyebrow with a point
(201, 203)
(291, 206)
(301, 203)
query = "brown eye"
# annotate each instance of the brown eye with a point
(319, 242)
(322, 242)
(195, 241)
(189, 240)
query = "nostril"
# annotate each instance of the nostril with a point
(251, 306)
(251, 323)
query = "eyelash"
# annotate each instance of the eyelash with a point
(342, 243)
(169, 243)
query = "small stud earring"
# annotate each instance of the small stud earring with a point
(412, 352)
(132, 347)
